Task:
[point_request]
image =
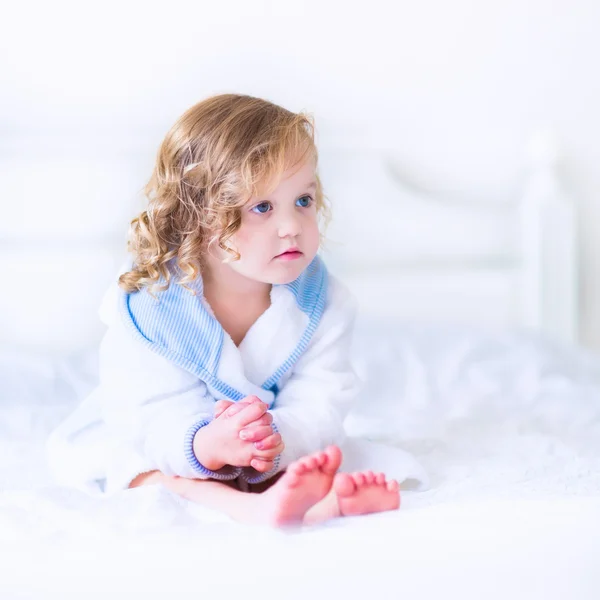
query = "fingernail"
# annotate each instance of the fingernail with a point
(258, 445)
(244, 434)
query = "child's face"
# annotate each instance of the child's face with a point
(279, 234)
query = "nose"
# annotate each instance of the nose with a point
(289, 225)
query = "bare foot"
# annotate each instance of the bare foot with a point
(305, 483)
(362, 493)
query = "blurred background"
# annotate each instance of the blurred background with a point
(447, 96)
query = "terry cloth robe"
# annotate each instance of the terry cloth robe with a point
(165, 360)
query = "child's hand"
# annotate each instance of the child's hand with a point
(260, 432)
(222, 442)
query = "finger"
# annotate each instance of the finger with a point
(221, 406)
(251, 399)
(271, 441)
(250, 413)
(266, 419)
(261, 465)
(236, 408)
(256, 434)
(271, 453)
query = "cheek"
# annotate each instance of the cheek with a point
(242, 237)
(313, 234)
(249, 242)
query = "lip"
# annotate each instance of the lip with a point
(290, 254)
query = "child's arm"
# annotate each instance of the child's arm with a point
(311, 406)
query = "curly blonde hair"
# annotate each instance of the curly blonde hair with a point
(219, 154)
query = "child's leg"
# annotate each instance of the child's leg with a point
(305, 483)
(218, 495)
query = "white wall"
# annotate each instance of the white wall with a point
(452, 89)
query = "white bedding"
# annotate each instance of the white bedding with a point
(507, 425)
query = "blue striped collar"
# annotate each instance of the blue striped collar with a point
(177, 325)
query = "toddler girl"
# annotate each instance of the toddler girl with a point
(225, 372)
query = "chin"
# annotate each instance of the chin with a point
(283, 280)
(284, 276)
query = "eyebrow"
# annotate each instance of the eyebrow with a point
(308, 186)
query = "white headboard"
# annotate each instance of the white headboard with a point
(496, 260)
(405, 253)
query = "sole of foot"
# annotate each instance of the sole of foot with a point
(305, 482)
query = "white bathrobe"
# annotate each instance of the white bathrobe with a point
(165, 361)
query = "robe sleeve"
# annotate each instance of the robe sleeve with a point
(155, 405)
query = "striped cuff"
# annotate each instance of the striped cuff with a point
(227, 473)
(251, 475)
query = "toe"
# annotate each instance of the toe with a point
(297, 468)
(291, 479)
(311, 463)
(393, 486)
(343, 485)
(321, 459)
(359, 479)
(333, 459)
(369, 477)
(380, 479)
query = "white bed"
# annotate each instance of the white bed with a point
(492, 397)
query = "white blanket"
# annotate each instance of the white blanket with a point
(508, 427)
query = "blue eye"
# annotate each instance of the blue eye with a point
(262, 208)
(304, 202)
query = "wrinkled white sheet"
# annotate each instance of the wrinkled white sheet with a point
(507, 425)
